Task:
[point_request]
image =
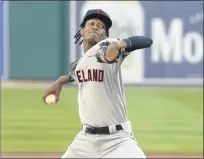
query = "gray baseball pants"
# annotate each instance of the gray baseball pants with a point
(120, 144)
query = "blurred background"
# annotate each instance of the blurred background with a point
(163, 84)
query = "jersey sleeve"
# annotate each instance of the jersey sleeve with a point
(71, 71)
(122, 55)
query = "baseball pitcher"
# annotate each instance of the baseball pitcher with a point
(105, 129)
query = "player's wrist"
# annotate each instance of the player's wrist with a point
(62, 80)
(122, 44)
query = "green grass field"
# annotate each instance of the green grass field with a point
(163, 119)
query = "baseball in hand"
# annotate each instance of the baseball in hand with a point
(51, 99)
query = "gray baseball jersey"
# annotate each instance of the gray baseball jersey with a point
(101, 102)
(101, 97)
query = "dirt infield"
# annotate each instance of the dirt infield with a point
(58, 155)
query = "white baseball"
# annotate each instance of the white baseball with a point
(51, 99)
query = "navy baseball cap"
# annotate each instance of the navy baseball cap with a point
(100, 14)
(91, 14)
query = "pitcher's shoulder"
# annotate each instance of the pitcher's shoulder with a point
(72, 65)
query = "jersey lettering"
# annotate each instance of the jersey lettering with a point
(90, 75)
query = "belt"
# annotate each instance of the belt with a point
(101, 130)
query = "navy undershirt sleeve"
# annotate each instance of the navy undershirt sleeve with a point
(137, 42)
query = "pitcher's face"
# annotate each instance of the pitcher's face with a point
(94, 31)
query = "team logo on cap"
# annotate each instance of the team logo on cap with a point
(100, 10)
